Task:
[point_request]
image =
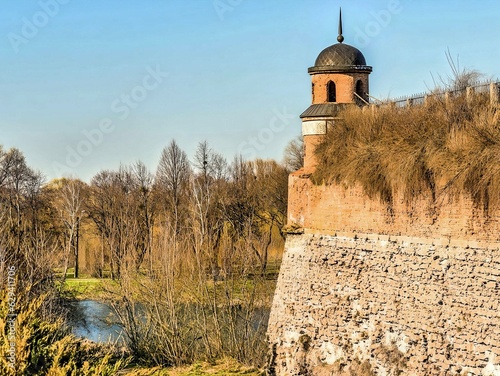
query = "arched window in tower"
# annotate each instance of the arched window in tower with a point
(360, 91)
(332, 91)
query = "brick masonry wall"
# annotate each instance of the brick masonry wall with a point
(345, 84)
(310, 144)
(340, 209)
(413, 290)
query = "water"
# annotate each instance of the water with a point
(95, 321)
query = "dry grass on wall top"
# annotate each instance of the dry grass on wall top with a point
(444, 146)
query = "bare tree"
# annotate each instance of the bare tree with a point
(172, 179)
(208, 190)
(20, 196)
(294, 154)
(143, 181)
(71, 195)
(107, 208)
(271, 180)
(27, 236)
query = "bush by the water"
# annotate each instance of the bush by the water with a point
(38, 345)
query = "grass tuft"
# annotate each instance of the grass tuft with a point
(223, 367)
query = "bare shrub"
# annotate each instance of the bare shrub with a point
(171, 321)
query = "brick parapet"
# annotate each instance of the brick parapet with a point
(336, 208)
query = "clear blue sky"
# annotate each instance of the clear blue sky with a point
(132, 75)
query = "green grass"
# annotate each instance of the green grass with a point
(86, 288)
(225, 367)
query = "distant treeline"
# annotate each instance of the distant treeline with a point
(189, 243)
(121, 219)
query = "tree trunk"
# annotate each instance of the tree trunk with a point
(77, 246)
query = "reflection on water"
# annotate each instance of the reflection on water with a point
(95, 321)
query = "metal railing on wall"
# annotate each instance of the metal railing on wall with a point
(488, 88)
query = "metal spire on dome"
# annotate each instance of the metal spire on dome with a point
(340, 38)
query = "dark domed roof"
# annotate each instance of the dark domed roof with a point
(340, 58)
(340, 55)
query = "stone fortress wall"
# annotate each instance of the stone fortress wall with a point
(414, 290)
(366, 288)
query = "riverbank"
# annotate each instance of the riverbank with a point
(93, 317)
(86, 288)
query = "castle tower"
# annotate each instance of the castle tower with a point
(339, 78)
